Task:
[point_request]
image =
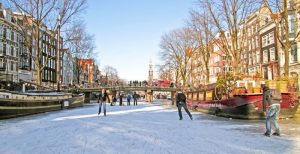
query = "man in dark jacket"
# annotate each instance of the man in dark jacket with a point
(103, 101)
(121, 99)
(135, 96)
(181, 102)
(272, 99)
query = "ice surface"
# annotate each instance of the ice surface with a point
(146, 128)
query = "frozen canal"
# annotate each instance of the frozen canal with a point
(147, 128)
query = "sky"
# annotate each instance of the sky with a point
(128, 32)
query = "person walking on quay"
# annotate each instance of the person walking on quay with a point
(135, 96)
(128, 99)
(181, 102)
(121, 99)
(103, 101)
(272, 98)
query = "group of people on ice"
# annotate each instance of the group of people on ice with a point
(271, 99)
(103, 98)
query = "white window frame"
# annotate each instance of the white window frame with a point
(272, 54)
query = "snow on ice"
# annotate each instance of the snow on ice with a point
(146, 128)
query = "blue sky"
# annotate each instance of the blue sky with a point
(128, 32)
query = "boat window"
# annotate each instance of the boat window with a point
(208, 95)
(190, 95)
(201, 96)
(195, 96)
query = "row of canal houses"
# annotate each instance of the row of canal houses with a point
(262, 54)
(17, 65)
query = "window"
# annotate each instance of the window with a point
(271, 38)
(265, 56)
(293, 52)
(11, 65)
(4, 33)
(272, 54)
(1, 31)
(4, 49)
(14, 66)
(264, 40)
(1, 63)
(7, 34)
(291, 19)
(12, 51)
(12, 36)
(1, 48)
(8, 51)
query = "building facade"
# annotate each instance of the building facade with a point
(86, 72)
(9, 46)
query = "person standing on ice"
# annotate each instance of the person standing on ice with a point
(272, 99)
(128, 99)
(181, 102)
(103, 101)
(121, 99)
(135, 96)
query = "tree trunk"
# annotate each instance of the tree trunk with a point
(207, 74)
(287, 42)
(38, 76)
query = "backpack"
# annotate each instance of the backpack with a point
(275, 95)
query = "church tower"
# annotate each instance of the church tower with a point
(150, 75)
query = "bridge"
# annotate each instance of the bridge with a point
(113, 91)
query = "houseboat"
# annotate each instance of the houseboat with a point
(14, 104)
(242, 103)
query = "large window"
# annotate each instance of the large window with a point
(271, 38)
(8, 34)
(291, 19)
(1, 48)
(1, 63)
(265, 56)
(12, 51)
(12, 36)
(293, 52)
(272, 54)
(1, 31)
(4, 49)
(8, 49)
(264, 40)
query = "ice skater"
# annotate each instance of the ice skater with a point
(135, 96)
(121, 99)
(181, 102)
(103, 100)
(128, 99)
(272, 98)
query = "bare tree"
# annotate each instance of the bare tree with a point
(178, 48)
(111, 75)
(44, 18)
(205, 31)
(81, 46)
(280, 15)
(227, 15)
(165, 72)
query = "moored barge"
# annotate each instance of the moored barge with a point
(239, 105)
(14, 104)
